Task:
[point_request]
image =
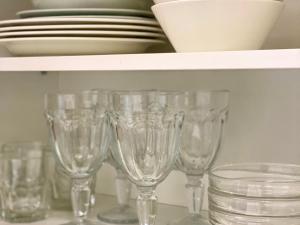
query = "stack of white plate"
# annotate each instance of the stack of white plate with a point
(80, 31)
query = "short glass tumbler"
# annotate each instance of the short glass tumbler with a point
(146, 128)
(80, 134)
(24, 186)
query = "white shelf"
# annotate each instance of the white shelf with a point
(259, 59)
(165, 213)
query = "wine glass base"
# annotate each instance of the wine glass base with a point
(85, 222)
(119, 215)
(201, 219)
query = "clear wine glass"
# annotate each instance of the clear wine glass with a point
(146, 128)
(123, 213)
(80, 133)
(205, 115)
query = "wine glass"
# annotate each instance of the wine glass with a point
(146, 129)
(123, 213)
(80, 133)
(205, 115)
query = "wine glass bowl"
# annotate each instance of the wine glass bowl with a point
(141, 161)
(202, 131)
(76, 127)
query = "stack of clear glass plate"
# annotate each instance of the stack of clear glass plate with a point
(255, 194)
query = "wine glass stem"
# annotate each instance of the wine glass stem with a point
(195, 191)
(80, 194)
(123, 187)
(146, 205)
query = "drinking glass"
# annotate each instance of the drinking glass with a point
(24, 186)
(146, 129)
(81, 134)
(205, 115)
(123, 213)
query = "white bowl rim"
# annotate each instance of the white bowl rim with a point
(178, 2)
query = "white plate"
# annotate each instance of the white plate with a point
(83, 27)
(43, 46)
(65, 4)
(79, 20)
(83, 11)
(82, 33)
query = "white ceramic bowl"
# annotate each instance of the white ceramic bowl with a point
(60, 4)
(217, 25)
(164, 1)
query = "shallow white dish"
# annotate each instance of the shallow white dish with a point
(79, 20)
(47, 46)
(129, 4)
(127, 27)
(217, 25)
(163, 1)
(83, 12)
(82, 33)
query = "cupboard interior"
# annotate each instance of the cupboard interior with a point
(263, 125)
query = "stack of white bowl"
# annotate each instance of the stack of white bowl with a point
(217, 25)
(80, 27)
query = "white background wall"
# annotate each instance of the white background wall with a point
(263, 125)
(21, 98)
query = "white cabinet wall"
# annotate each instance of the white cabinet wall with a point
(264, 121)
(21, 98)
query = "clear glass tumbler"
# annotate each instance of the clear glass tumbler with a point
(205, 116)
(146, 129)
(80, 134)
(24, 186)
